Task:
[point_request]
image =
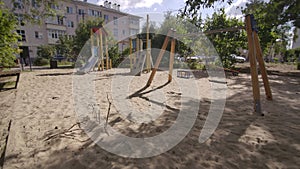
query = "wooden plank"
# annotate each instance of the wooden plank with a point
(262, 67)
(106, 53)
(158, 60)
(100, 50)
(148, 64)
(171, 63)
(130, 52)
(253, 66)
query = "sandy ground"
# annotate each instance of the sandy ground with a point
(45, 132)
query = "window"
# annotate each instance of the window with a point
(54, 6)
(55, 34)
(38, 35)
(22, 34)
(70, 24)
(34, 4)
(124, 32)
(115, 20)
(20, 18)
(80, 11)
(133, 31)
(99, 14)
(60, 20)
(18, 4)
(134, 21)
(116, 32)
(106, 18)
(69, 9)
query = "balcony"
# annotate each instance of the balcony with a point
(56, 26)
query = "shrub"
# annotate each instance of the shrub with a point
(39, 61)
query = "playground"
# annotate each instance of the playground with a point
(259, 126)
(41, 116)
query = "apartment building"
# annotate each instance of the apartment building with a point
(69, 13)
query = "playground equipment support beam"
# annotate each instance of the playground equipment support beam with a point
(253, 65)
(262, 67)
(161, 54)
(172, 53)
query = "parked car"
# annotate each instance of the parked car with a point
(238, 59)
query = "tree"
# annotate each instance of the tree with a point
(225, 43)
(35, 11)
(279, 11)
(8, 38)
(83, 34)
(65, 47)
(46, 51)
(270, 28)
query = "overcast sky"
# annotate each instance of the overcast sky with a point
(157, 8)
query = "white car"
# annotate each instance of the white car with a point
(239, 59)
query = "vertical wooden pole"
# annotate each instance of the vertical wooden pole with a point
(130, 52)
(137, 45)
(171, 63)
(253, 65)
(110, 63)
(106, 49)
(161, 53)
(262, 67)
(148, 64)
(100, 50)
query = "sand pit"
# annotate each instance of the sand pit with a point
(45, 132)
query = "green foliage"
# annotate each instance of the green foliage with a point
(83, 34)
(225, 43)
(8, 38)
(35, 11)
(270, 26)
(65, 47)
(46, 51)
(277, 11)
(292, 55)
(39, 61)
(114, 55)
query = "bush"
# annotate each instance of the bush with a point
(39, 61)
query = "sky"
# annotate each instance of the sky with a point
(156, 8)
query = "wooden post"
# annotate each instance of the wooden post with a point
(98, 44)
(106, 49)
(148, 64)
(110, 63)
(171, 63)
(100, 49)
(137, 45)
(130, 52)
(161, 53)
(253, 65)
(262, 67)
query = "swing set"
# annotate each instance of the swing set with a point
(255, 55)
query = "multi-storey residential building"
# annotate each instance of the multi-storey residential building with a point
(69, 13)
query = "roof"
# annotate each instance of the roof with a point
(104, 8)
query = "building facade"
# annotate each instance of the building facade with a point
(68, 14)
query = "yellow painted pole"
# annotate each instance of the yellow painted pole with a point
(106, 49)
(137, 45)
(101, 49)
(130, 52)
(171, 63)
(158, 60)
(147, 47)
(253, 65)
(262, 67)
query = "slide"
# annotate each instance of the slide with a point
(90, 64)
